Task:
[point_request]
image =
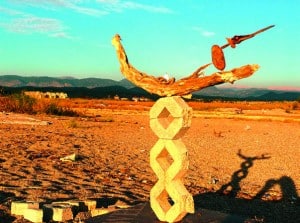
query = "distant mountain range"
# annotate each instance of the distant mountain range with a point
(20, 81)
(103, 88)
(250, 94)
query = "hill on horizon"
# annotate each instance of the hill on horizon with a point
(103, 88)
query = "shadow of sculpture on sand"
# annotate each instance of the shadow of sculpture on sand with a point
(240, 174)
(260, 208)
(287, 187)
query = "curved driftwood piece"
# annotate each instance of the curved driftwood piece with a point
(182, 87)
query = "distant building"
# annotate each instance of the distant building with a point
(136, 99)
(144, 99)
(39, 95)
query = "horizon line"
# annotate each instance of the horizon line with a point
(272, 87)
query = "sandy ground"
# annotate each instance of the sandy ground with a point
(241, 166)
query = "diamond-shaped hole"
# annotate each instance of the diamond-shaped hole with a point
(165, 201)
(165, 118)
(164, 159)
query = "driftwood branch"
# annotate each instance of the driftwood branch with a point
(182, 87)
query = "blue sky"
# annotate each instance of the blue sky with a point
(73, 37)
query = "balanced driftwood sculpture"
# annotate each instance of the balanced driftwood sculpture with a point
(170, 117)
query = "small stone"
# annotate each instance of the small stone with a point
(71, 158)
(82, 216)
(121, 204)
(247, 127)
(214, 180)
(58, 212)
(101, 211)
(18, 207)
(34, 215)
(91, 204)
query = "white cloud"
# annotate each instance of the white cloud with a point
(103, 7)
(40, 3)
(9, 12)
(22, 22)
(33, 24)
(119, 6)
(203, 32)
(75, 5)
(87, 11)
(207, 33)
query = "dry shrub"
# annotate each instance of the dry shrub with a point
(3, 103)
(21, 103)
(296, 105)
(54, 109)
(18, 103)
(41, 105)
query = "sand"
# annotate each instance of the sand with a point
(243, 166)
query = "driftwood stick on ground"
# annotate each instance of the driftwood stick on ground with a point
(182, 87)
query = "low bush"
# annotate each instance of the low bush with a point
(54, 109)
(21, 103)
(296, 105)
